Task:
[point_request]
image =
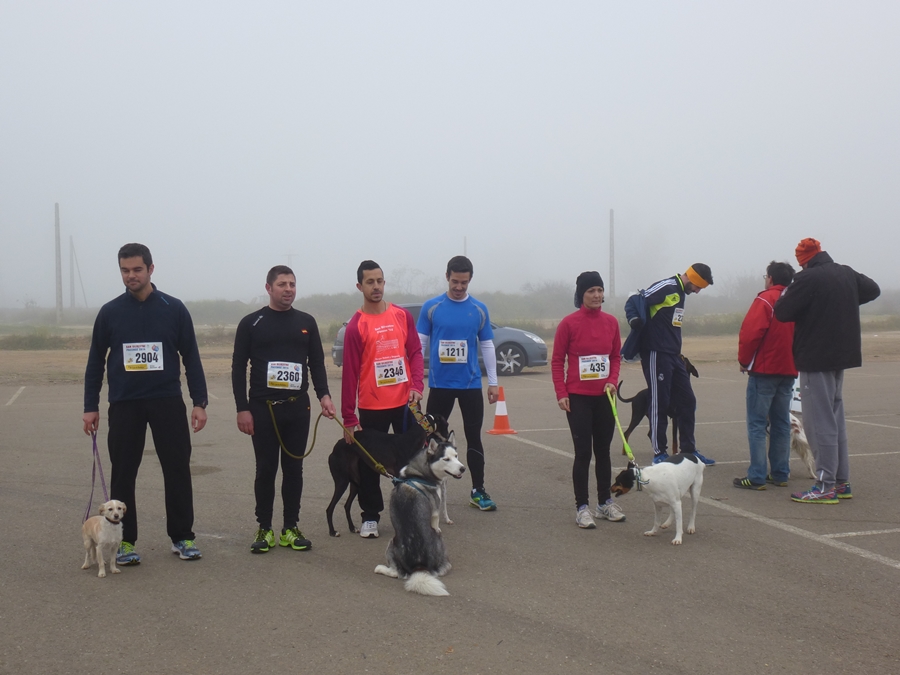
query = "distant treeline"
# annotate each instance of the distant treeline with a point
(536, 308)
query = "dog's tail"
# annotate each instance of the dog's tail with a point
(622, 398)
(425, 583)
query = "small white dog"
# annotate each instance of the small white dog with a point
(800, 445)
(103, 535)
(666, 483)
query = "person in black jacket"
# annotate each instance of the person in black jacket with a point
(285, 353)
(138, 338)
(823, 302)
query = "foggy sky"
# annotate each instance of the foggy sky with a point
(233, 136)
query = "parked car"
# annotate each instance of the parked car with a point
(516, 349)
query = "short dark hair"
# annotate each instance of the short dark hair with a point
(460, 264)
(365, 266)
(704, 272)
(277, 271)
(135, 250)
(781, 272)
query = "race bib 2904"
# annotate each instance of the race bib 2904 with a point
(143, 356)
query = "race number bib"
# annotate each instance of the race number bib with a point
(453, 351)
(143, 356)
(678, 317)
(390, 371)
(594, 367)
(284, 375)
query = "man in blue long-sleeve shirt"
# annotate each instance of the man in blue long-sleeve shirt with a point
(140, 339)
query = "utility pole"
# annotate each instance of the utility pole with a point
(71, 273)
(612, 255)
(59, 300)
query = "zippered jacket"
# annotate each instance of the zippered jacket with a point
(765, 343)
(823, 302)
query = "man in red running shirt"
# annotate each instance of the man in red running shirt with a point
(382, 373)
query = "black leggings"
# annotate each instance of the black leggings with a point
(167, 418)
(471, 405)
(592, 424)
(293, 425)
(370, 500)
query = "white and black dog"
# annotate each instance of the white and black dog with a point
(666, 483)
(416, 552)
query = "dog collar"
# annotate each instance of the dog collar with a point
(114, 522)
(412, 483)
(638, 472)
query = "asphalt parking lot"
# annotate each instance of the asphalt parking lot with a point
(766, 585)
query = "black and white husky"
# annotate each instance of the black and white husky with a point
(416, 552)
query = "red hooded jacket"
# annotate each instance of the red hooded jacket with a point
(765, 343)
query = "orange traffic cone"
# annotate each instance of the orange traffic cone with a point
(501, 419)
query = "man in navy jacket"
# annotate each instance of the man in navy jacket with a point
(140, 339)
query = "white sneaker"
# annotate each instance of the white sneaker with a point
(369, 530)
(583, 518)
(610, 511)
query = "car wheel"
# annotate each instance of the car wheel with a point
(510, 359)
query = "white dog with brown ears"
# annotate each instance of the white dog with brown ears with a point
(103, 535)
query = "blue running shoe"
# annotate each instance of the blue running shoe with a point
(126, 555)
(705, 460)
(186, 549)
(660, 457)
(482, 500)
(843, 491)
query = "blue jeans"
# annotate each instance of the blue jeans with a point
(769, 400)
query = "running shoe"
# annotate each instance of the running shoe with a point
(705, 460)
(779, 483)
(747, 485)
(369, 530)
(186, 549)
(482, 500)
(294, 538)
(842, 490)
(265, 539)
(583, 518)
(816, 495)
(610, 511)
(660, 457)
(126, 555)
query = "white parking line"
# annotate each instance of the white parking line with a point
(570, 455)
(861, 534)
(827, 540)
(212, 396)
(872, 424)
(822, 539)
(15, 396)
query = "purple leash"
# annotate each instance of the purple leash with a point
(96, 465)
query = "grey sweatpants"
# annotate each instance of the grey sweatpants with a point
(823, 420)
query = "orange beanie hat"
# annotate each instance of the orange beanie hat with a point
(807, 249)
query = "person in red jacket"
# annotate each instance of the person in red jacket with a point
(585, 365)
(764, 353)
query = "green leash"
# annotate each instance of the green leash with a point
(612, 402)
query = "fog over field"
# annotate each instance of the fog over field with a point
(233, 136)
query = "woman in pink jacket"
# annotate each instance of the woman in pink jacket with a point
(585, 364)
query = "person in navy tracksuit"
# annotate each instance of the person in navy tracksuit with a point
(660, 350)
